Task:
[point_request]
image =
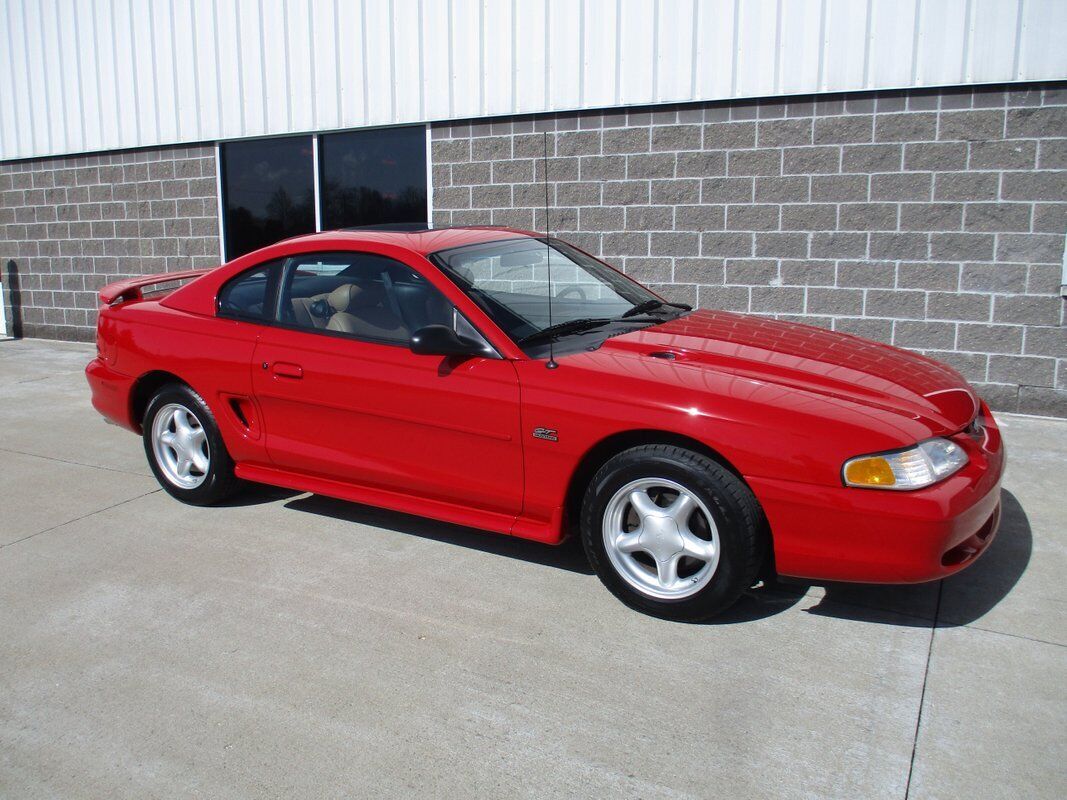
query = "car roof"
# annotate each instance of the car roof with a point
(423, 240)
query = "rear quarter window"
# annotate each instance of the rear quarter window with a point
(251, 295)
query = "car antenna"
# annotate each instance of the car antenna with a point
(548, 262)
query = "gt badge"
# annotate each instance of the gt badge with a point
(548, 434)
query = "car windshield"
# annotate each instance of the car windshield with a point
(509, 279)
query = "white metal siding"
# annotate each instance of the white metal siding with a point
(85, 75)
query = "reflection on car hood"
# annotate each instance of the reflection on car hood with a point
(810, 359)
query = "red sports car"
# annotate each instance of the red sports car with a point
(507, 381)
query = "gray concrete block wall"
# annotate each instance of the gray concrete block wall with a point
(71, 225)
(933, 220)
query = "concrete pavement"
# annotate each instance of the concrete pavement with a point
(296, 646)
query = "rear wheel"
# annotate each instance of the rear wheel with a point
(185, 449)
(671, 532)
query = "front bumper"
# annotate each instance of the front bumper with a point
(111, 393)
(876, 536)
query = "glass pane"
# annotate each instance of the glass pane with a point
(362, 295)
(509, 279)
(268, 191)
(248, 296)
(373, 177)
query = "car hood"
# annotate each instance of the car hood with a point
(809, 359)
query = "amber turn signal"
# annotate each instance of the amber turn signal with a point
(873, 471)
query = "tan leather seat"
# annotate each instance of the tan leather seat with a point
(358, 310)
(304, 315)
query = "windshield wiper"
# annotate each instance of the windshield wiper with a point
(652, 305)
(563, 328)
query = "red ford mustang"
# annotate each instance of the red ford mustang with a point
(425, 371)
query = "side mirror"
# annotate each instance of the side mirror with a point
(440, 340)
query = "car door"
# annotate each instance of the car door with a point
(344, 398)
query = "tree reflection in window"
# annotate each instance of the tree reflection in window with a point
(373, 177)
(268, 192)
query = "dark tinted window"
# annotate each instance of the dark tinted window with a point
(360, 294)
(268, 192)
(251, 294)
(373, 177)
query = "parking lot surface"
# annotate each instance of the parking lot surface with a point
(291, 645)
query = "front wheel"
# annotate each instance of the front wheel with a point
(671, 532)
(185, 449)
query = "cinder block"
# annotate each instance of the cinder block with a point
(839, 188)
(971, 125)
(700, 164)
(906, 127)
(811, 217)
(676, 137)
(754, 162)
(699, 218)
(1033, 123)
(997, 217)
(651, 218)
(868, 217)
(964, 306)
(836, 302)
(1023, 370)
(962, 246)
(898, 304)
(935, 156)
(917, 186)
(844, 130)
(1042, 248)
(789, 189)
(752, 217)
(974, 186)
(864, 274)
(729, 135)
(751, 272)
(931, 216)
(784, 133)
(838, 245)
(811, 160)
(782, 245)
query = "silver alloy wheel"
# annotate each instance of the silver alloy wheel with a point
(179, 443)
(661, 539)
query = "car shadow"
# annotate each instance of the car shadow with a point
(965, 596)
(254, 494)
(567, 556)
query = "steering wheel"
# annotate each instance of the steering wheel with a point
(577, 290)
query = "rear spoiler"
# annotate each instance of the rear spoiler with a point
(131, 288)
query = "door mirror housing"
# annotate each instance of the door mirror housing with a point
(440, 340)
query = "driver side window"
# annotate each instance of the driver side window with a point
(363, 295)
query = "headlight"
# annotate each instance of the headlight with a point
(926, 463)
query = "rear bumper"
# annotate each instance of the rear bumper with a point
(111, 393)
(877, 536)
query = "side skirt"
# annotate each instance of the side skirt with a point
(395, 501)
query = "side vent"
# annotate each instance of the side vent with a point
(243, 414)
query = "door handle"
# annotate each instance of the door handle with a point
(283, 369)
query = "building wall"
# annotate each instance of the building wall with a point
(99, 75)
(931, 220)
(68, 226)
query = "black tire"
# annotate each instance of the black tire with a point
(742, 529)
(219, 481)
